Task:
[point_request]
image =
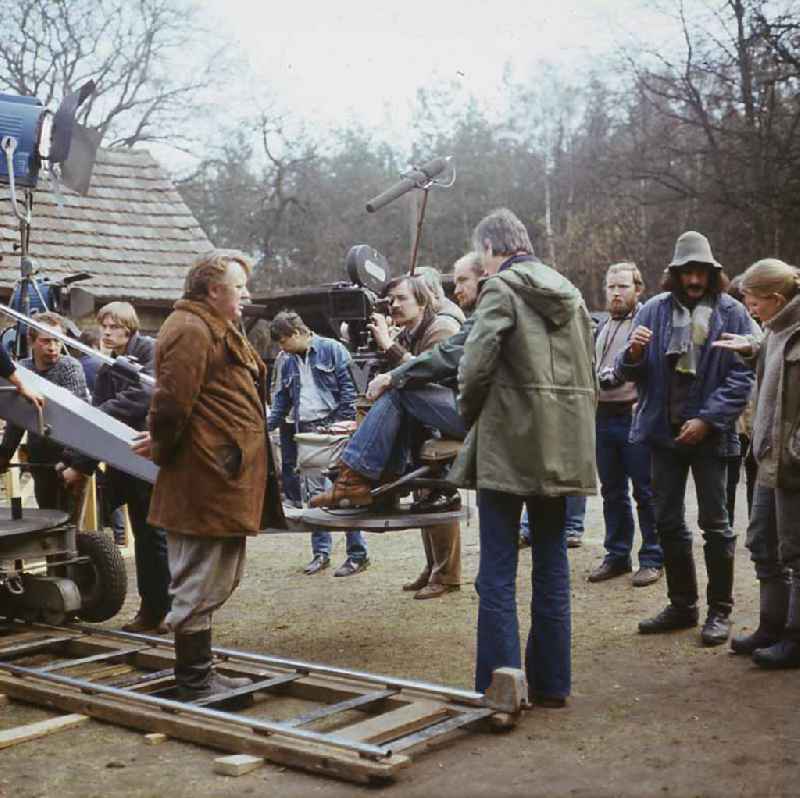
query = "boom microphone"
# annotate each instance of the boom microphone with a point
(422, 174)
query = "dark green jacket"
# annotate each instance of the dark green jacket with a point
(527, 387)
(439, 364)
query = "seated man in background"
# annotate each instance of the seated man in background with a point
(316, 389)
(416, 393)
(47, 359)
(381, 444)
(444, 306)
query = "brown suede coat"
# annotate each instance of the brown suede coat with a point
(208, 428)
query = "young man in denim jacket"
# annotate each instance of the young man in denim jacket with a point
(317, 389)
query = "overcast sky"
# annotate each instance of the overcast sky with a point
(363, 60)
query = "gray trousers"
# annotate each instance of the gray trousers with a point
(205, 571)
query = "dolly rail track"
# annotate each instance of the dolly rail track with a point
(363, 720)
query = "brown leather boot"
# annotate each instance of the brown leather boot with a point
(145, 623)
(351, 489)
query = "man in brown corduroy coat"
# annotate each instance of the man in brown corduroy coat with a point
(208, 435)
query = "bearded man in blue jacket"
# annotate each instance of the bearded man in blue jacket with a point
(690, 395)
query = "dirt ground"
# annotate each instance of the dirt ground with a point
(656, 715)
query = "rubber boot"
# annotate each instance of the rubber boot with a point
(786, 652)
(195, 676)
(773, 604)
(681, 612)
(719, 556)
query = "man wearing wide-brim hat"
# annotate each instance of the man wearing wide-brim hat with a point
(690, 395)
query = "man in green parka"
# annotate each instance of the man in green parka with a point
(527, 394)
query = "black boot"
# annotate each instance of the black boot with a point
(786, 652)
(719, 556)
(773, 603)
(681, 612)
(195, 676)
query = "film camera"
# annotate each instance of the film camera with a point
(341, 310)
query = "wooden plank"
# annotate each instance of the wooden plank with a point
(106, 672)
(143, 679)
(128, 528)
(42, 728)
(397, 723)
(89, 516)
(156, 738)
(315, 758)
(440, 731)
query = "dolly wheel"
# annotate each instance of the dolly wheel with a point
(103, 581)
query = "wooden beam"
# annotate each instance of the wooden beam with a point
(89, 516)
(42, 728)
(313, 757)
(397, 723)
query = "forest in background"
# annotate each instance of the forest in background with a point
(602, 164)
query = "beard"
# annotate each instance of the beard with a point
(619, 310)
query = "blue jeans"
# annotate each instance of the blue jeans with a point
(618, 461)
(670, 470)
(547, 653)
(383, 441)
(573, 520)
(321, 542)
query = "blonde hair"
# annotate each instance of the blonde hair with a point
(631, 268)
(212, 268)
(771, 276)
(122, 313)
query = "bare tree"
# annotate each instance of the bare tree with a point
(149, 58)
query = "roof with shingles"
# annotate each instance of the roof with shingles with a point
(133, 232)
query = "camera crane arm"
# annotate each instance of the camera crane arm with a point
(125, 367)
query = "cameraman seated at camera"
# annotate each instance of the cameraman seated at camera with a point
(315, 390)
(417, 393)
(399, 421)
